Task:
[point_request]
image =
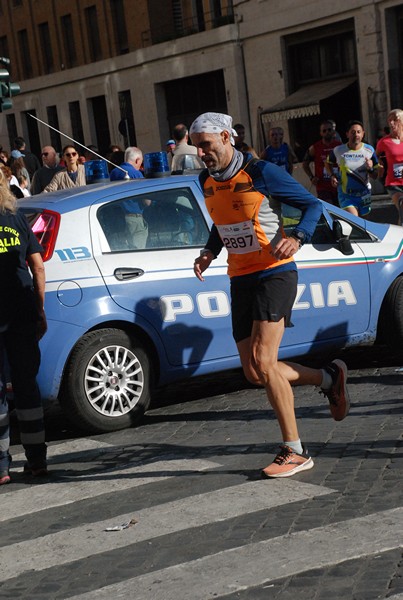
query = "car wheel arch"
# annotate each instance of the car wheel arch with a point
(390, 320)
(72, 398)
(137, 333)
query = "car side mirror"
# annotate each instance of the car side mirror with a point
(341, 233)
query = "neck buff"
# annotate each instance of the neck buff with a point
(231, 170)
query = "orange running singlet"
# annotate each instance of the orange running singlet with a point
(248, 223)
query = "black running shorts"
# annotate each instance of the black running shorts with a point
(269, 298)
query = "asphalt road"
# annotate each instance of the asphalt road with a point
(199, 522)
(206, 526)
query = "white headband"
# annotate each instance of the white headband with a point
(211, 122)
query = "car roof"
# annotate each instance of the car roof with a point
(78, 197)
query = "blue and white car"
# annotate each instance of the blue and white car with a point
(124, 319)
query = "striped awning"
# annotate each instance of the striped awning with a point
(305, 102)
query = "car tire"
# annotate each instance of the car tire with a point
(106, 385)
(391, 320)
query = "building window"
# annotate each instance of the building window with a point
(216, 8)
(186, 98)
(76, 122)
(99, 124)
(321, 59)
(177, 17)
(68, 41)
(119, 25)
(26, 61)
(321, 53)
(46, 47)
(200, 20)
(11, 129)
(394, 39)
(315, 56)
(126, 125)
(94, 42)
(53, 120)
(4, 46)
(222, 13)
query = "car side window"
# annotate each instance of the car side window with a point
(323, 233)
(159, 220)
(291, 218)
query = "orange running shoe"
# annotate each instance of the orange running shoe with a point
(288, 462)
(337, 394)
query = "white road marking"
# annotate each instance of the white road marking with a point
(163, 519)
(238, 569)
(89, 485)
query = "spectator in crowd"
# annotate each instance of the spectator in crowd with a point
(336, 135)
(73, 175)
(318, 153)
(357, 161)
(135, 221)
(130, 167)
(12, 182)
(88, 153)
(4, 156)
(31, 160)
(390, 153)
(278, 151)
(240, 143)
(169, 149)
(181, 136)
(113, 148)
(23, 182)
(114, 151)
(116, 159)
(22, 324)
(18, 167)
(45, 174)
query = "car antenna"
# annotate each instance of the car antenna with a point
(79, 144)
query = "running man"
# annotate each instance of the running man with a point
(318, 153)
(263, 275)
(357, 161)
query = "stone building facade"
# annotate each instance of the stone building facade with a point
(126, 71)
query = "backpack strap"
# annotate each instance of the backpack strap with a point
(204, 175)
(249, 163)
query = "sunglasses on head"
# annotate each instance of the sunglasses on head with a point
(70, 154)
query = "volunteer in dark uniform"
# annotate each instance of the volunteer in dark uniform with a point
(22, 324)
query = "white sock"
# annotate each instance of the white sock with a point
(296, 446)
(327, 380)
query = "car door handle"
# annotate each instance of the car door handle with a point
(125, 273)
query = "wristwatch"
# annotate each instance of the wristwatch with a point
(205, 251)
(299, 236)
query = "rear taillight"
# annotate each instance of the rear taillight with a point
(46, 227)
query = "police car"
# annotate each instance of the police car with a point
(125, 316)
